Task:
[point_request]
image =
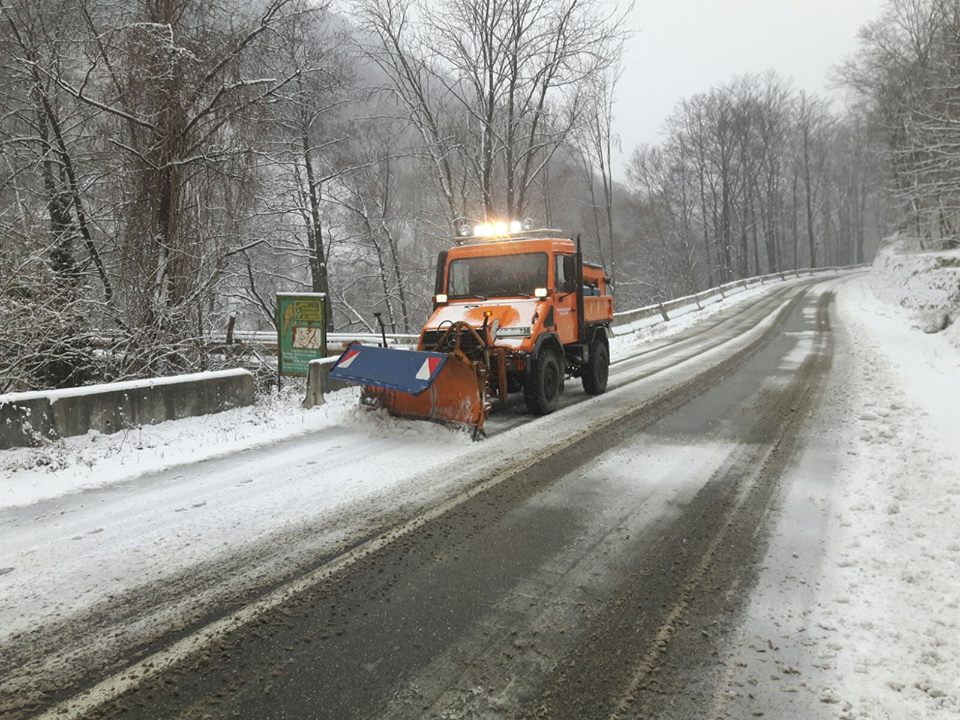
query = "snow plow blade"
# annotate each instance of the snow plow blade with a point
(441, 387)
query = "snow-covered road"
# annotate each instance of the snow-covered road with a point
(92, 581)
(146, 554)
(857, 610)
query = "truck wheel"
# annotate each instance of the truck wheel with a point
(542, 389)
(595, 372)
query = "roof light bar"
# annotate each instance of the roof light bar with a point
(498, 228)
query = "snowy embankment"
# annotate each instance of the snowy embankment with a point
(625, 341)
(28, 475)
(891, 589)
(857, 608)
(893, 592)
(926, 283)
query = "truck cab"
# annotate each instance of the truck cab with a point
(538, 314)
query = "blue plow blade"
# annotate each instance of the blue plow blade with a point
(409, 371)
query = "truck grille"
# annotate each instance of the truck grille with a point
(430, 338)
(468, 343)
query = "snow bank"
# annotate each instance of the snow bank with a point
(926, 282)
(952, 334)
(888, 602)
(67, 465)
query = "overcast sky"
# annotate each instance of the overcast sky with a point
(682, 47)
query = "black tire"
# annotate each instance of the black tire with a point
(595, 373)
(542, 389)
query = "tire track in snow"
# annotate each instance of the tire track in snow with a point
(638, 657)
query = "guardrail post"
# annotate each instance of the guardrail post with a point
(663, 312)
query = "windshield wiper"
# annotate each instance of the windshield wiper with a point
(470, 295)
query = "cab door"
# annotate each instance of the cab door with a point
(565, 297)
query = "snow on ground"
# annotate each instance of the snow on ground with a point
(892, 585)
(681, 319)
(856, 612)
(65, 554)
(926, 282)
(29, 475)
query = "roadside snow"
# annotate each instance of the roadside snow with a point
(28, 475)
(856, 613)
(681, 320)
(892, 581)
(923, 281)
(952, 334)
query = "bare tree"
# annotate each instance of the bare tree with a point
(306, 137)
(175, 77)
(368, 196)
(493, 88)
(813, 123)
(744, 169)
(906, 72)
(594, 142)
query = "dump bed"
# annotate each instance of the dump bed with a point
(597, 308)
(597, 302)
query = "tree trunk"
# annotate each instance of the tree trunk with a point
(860, 220)
(318, 260)
(796, 226)
(809, 193)
(392, 243)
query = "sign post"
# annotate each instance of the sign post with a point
(301, 332)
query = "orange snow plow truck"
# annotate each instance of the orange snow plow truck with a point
(513, 311)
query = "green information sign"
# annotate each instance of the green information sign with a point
(301, 331)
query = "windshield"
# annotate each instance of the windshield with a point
(498, 275)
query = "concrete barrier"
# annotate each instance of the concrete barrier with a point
(32, 417)
(319, 382)
(25, 422)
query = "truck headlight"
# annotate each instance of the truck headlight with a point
(440, 299)
(540, 292)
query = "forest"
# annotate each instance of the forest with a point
(167, 166)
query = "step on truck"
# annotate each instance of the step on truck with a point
(513, 311)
